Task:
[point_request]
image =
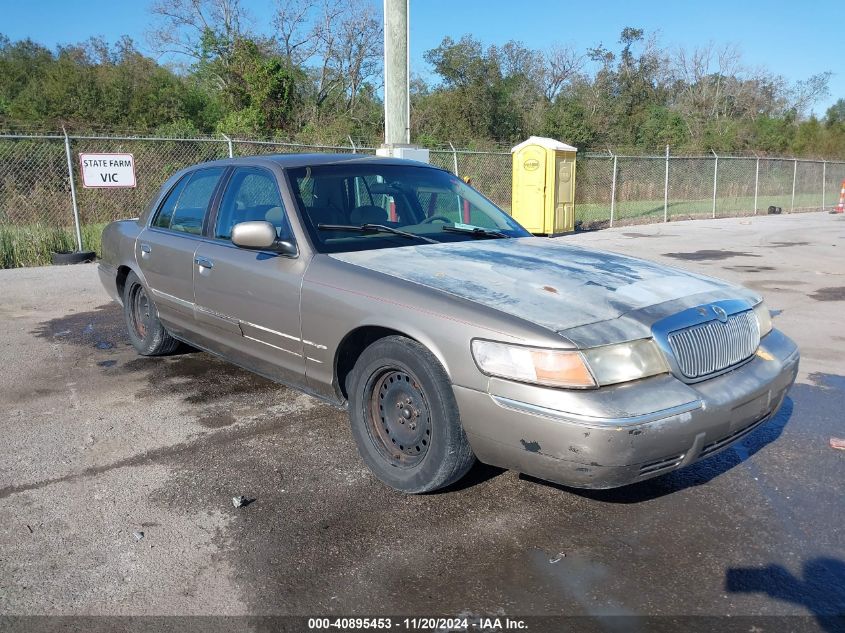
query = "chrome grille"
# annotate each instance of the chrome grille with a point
(713, 346)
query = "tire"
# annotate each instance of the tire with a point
(404, 417)
(77, 257)
(146, 332)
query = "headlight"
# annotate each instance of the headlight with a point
(764, 318)
(594, 367)
(552, 367)
(626, 361)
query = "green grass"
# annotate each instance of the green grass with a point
(32, 245)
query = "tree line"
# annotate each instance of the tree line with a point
(314, 74)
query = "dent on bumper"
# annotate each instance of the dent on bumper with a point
(616, 436)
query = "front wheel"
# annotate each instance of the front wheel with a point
(146, 332)
(404, 417)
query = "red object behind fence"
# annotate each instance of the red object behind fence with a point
(840, 208)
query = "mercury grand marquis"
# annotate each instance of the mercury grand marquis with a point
(395, 290)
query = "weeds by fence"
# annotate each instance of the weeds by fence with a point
(36, 213)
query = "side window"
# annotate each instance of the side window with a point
(165, 211)
(191, 206)
(252, 194)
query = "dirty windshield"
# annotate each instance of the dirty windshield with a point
(351, 207)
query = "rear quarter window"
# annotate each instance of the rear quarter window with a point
(185, 207)
(165, 211)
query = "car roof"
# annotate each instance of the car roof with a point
(292, 161)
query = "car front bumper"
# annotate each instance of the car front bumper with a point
(619, 435)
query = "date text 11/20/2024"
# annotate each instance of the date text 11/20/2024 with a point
(418, 624)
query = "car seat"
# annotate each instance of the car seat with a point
(368, 214)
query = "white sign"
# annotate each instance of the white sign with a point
(107, 170)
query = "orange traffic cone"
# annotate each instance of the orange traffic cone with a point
(840, 208)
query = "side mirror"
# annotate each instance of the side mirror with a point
(261, 236)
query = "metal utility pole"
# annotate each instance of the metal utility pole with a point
(397, 102)
(613, 189)
(794, 177)
(666, 189)
(824, 180)
(72, 190)
(715, 180)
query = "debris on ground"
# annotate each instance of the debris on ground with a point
(838, 443)
(557, 558)
(240, 501)
(104, 345)
(138, 535)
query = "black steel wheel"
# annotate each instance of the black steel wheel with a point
(404, 417)
(145, 330)
(400, 419)
(140, 310)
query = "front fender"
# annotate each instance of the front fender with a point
(339, 298)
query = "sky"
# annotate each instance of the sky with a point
(792, 39)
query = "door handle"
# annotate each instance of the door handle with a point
(204, 262)
(145, 250)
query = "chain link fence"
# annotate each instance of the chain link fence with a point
(36, 201)
(626, 190)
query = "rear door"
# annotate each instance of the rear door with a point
(165, 249)
(247, 301)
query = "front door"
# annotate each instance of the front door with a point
(247, 302)
(165, 249)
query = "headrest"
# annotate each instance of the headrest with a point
(275, 216)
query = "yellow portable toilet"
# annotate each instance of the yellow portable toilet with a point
(543, 196)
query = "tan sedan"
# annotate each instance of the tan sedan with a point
(394, 289)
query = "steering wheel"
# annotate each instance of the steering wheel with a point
(437, 218)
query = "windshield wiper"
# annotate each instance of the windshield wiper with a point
(476, 231)
(374, 228)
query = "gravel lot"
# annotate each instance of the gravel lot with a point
(99, 443)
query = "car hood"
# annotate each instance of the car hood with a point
(545, 281)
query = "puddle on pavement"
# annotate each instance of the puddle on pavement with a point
(648, 235)
(829, 294)
(102, 328)
(216, 391)
(709, 255)
(199, 379)
(827, 381)
(749, 269)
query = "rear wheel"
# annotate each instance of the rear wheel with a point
(146, 332)
(404, 417)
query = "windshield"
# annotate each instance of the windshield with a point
(392, 200)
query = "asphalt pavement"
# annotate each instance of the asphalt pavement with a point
(117, 475)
